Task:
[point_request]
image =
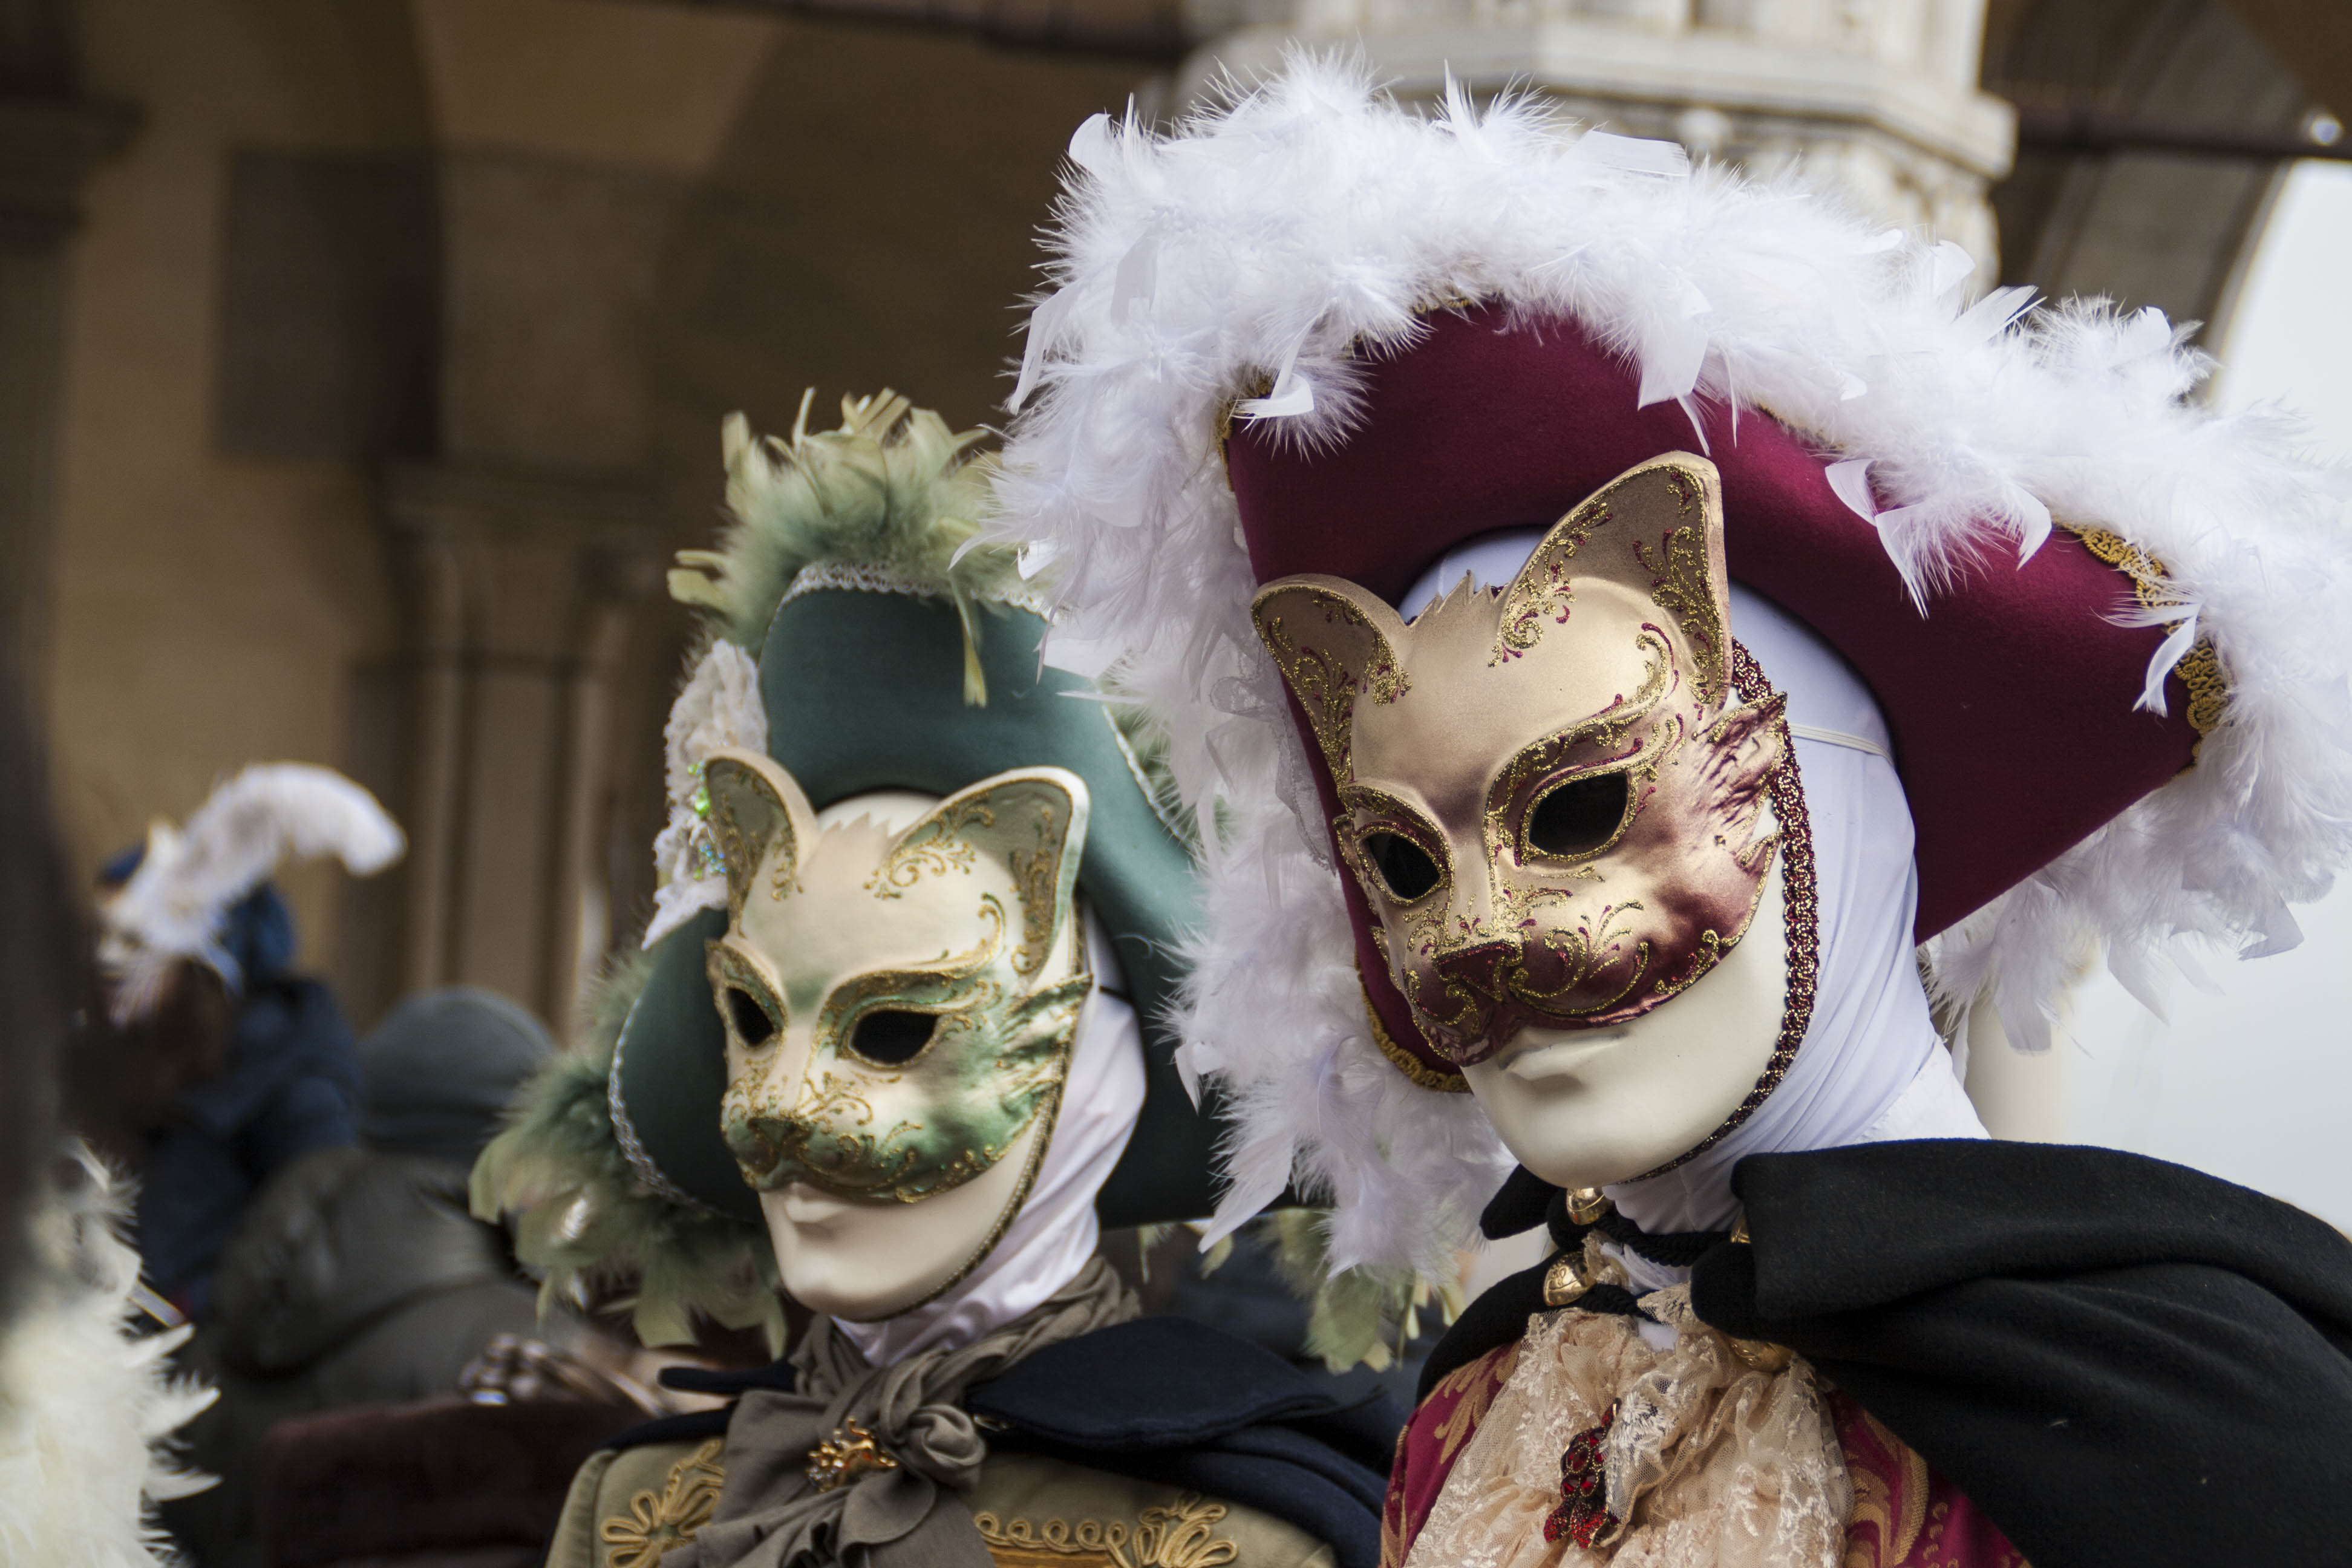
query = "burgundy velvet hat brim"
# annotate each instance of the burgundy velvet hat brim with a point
(2010, 700)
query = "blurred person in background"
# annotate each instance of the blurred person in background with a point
(212, 1065)
(357, 1276)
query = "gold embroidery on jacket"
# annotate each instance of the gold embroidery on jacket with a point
(656, 1523)
(1874, 1505)
(1476, 1384)
(1180, 1535)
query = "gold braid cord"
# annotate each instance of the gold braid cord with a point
(1403, 1060)
(1180, 1535)
(1801, 898)
(658, 1521)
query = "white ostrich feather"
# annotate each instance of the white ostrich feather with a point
(87, 1408)
(1269, 248)
(718, 706)
(173, 906)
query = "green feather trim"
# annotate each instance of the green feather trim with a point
(581, 1215)
(892, 494)
(1355, 1316)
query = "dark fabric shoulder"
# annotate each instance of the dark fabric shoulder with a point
(1174, 1401)
(692, 1426)
(1496, 1316)
(698, 1426)
(1149, 1383)
(2117, 1359)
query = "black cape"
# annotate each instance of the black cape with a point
(1166, 1400)
(2118, 1360)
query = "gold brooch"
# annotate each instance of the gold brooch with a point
(1565, 1281)
(849, 1453)
(1586, 1205)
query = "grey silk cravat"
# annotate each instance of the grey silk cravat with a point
(773, 1514)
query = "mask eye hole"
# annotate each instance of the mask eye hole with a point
(752, 1024)
(889, 1036)
(1580, 816)
(1404, 867)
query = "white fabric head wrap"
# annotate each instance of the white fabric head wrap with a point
(1056, 1232)
(1872, 1067)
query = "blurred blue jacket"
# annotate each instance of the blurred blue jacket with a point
(291, 1085)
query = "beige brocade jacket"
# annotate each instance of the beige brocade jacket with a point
(629, 1506)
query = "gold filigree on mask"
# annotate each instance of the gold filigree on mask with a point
(1801, 908)
(1032, 878)
(1557, 769)
(1405, 1061)
(1537, 770)
(1328, 665)
(1681, 587)
(907, 1079)
(1543, 586)
(752, 825)
(934, 845)
(729, 971)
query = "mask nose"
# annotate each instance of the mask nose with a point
(757, 1120)
(758, 1145)
(1472, 983)
(1480, 969)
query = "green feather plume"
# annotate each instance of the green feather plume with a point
(1353, 1317)
(581, 1215)
(893, 491)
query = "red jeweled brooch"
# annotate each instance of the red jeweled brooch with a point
(1583, 1515)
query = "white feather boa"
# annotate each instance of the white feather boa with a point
(87, 1408)
(1259, 242)
(171, 907)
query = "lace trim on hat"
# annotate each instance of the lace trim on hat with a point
(1151, 795)
(822, 575)
(633, 1148)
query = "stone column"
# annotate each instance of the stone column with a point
(527, 590)
(49, 141)
(1877, 99)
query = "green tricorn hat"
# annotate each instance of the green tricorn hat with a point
(891, 654)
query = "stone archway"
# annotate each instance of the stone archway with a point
(2169, 227)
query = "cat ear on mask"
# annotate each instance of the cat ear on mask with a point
(757, 812)
(1334, 643)
(1031, 821)
(1657, 528)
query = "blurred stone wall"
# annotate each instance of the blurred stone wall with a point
(397, 344)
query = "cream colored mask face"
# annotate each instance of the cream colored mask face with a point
(1552, 799)
(900, 1006)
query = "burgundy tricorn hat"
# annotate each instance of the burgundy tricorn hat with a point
(2010, 698)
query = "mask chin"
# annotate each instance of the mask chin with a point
(866, 1260)
(1589, 1108)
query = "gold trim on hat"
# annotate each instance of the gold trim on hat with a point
(2201, 668)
